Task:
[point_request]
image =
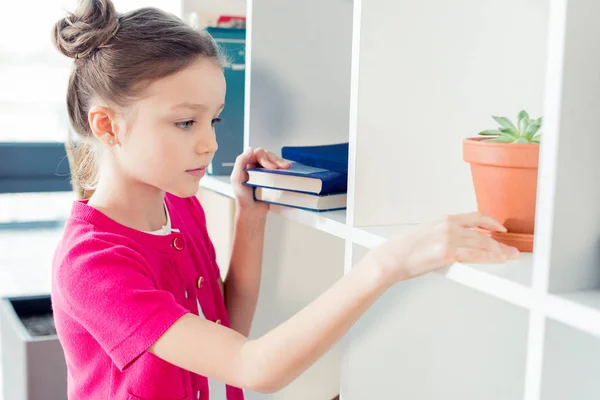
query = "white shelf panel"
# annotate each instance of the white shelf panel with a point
(580, 310)
(570, 364)
(332, 222)
(510, 281)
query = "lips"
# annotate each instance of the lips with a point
(198, 172)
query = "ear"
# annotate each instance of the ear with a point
(103, 123)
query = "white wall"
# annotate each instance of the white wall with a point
(431, 74)
(300, 72)
(213, 7)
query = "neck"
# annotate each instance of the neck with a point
(130, 203)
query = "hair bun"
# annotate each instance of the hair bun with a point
(90, 27)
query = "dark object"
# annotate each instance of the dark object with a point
(34, 167)
(39, 325)
(333, 157)
(33, 363)
(230, 132)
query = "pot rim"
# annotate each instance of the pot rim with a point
(479, 141)
(505, 155)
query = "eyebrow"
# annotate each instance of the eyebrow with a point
(195, 106)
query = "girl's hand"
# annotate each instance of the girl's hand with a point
(252, 158)
(439, 244)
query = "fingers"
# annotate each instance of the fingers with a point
(262, 158)
(470, 255)
(468, 245)
(281, 163)
(238, 173)
(476, 219)
(511, 253)
(477, 247)
(259, 157)
(268, 159)
(479, 241)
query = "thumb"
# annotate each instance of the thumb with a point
(241, 161)
(244, 158)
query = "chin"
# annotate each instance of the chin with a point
(185, 191)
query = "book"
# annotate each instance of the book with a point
(299, 178)
(333, 157)
(305, 201)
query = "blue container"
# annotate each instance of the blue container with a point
(230, 132)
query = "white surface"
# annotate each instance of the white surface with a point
(547, 173)
(299, 72)
(353, 116)
(575, 213)
(431, 74)
(213, 7)
(580, 310)
(571, 364)
(23, 271)
(293, 275)
(430, 338)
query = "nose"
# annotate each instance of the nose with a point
(207, 142)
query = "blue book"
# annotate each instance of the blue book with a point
(299, 178)
(333, 157)
(304, 201)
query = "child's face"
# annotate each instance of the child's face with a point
(170, 131)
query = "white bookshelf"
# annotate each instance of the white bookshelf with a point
(394, 79)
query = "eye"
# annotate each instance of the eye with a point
(185, 124)
(216, 121)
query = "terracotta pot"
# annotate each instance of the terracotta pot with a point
(505, 181)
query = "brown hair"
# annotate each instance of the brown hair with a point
(116, 57)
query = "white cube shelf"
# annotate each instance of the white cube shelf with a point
(404, 83)
(571, 362)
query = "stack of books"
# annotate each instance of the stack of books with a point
(317, 179)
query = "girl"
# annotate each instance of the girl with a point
(138, 303)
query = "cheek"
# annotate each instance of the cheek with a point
(151, 150)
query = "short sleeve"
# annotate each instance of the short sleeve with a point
(112, 294)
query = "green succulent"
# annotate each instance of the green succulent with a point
(526, 130)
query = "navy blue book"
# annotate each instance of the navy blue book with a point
(299, 178)
(304, 201)
(333, 157)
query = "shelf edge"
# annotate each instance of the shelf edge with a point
(572, 314)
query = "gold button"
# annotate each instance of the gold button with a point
(178, 243)
(218, 322)
(200, 281)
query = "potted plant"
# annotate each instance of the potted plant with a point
(504, 169)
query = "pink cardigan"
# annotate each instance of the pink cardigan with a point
(116, 290)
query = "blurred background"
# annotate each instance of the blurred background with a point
(35, 188)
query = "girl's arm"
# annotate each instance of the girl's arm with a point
(269, 363)
(242, 283)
